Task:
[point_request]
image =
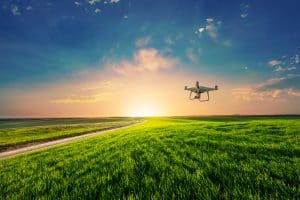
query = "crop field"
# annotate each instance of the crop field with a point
(20, 132)
(166, 158)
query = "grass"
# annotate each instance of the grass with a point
(19, 132)
(166, 158)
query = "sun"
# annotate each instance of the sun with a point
(144, 110)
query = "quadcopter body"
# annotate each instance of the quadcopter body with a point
(198, 90)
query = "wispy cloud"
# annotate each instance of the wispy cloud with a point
(82, 99)
(211, 27)
(92, 2)
(227, 43)
(97, 10)
(111, 1)
(297, 59)
(274, 62)
(15, 10)
(141, 42)
(29, 8)
(211, 30)
(244, 10)
(271, 89)
(244, 15)
(209, 20)
(192, 55)
(77, 3)
(145, 60)
(169, 41)
(282, 69)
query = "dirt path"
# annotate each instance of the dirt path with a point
(14, 152)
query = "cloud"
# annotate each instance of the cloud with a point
(291, 68)
(145, 60)
(143, 41)
(282, 69)
(211, 30)
(111, 1)
(244, 9)
(97, 10)
(82, 99)
(297, 59)
(15, 10)
(201, 29)
(244, 15)
(192, 56)
(279, 69)
(92, 2)
(77, 3)
(169, 41)
(227, 43)
(209, 20)
(29, 8)
(274, 62)
(271, 89)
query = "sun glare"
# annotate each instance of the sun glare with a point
(144, 110)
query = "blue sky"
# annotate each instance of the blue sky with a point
(246, 43)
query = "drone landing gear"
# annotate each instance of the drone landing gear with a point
(204, 99)
(198, 96)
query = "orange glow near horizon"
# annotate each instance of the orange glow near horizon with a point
(144, 109)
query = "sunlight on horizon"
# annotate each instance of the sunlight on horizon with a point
(144, 110)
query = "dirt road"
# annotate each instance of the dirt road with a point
(14, 152)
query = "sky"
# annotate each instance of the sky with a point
(90, 58)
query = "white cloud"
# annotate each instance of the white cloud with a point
(169, 41)
(145, 60)
(111, 1)
(281, 69)
(291, 68)
(92, 2)
(274, 62)
(143, 41)
(77, 3)
(209, 20)
(29, 8)
(297, 59)
(244, 10)
(125, 17)
(212, 30)
(97, 10)
(211, 27)
(201, 29)
(15, 10)
(244, 15)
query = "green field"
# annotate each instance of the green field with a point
(166, 158)
(19, 132)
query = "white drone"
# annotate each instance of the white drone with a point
(198, 90)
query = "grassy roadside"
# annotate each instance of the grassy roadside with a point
(163, 159)
(22, 132)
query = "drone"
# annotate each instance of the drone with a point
(198, 90)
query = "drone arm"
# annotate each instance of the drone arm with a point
(191, 95)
